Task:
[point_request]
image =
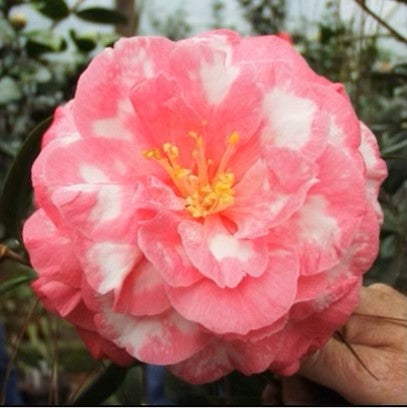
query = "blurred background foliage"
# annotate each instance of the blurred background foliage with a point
(38, 71)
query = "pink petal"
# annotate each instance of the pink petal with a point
(160, 243)
(63, 125)
(376, 170)
(270, 191)
(106, 264)
(254, 352)
(325, 225)
(294, 118)
(142, 292)
(304, 336)
(206, 366)
(162, 339)
(257, 53)
(78, 164)
(56, 296)
(236, 310)
(167, 117)
(110, 76)
(102, 348)
(224, 95)
(219, 255)
(51, 252)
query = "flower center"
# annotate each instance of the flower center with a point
(205, 192)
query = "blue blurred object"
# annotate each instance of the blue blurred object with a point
(155, 386)
(13, 396)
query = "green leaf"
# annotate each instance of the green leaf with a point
(103, 386)
(85, 43)
(101, 15)
(15, 198)
(13, 274)
(13, 283)
(9, 90)
(39, 41)
(54, 9)
(131, 390)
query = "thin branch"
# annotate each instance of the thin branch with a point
(7, 253)
(371, 13)
(15, 350)
(393, 320)
(356, 355)
(92, 373)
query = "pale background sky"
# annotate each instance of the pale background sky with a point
(198, 14)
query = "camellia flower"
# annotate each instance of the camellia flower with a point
(208, 204)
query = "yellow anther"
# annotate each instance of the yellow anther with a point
(152, 154)
(203, 195)
(233, 138)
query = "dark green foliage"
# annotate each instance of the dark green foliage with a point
(15, 198)
(101, 15)
(102, 387)
(54, 9)
(265, 16)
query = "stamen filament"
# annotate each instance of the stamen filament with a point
(202, 196)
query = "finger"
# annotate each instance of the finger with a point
(382, 300)
(335, 367)
(371, 323)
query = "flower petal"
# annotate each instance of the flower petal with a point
(376, 170)
(161, 244)
(270, 192)
(236, 310)
(324, 226)
(219, 255)
(63, 125)
(51, 252)
(102, 348)
(304, 336)
(110, 76)
(207, 365)
(164, 339)
(142, 292)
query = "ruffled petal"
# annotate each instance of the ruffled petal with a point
(304, 336)
(376, 170)
(163, 339)
(142, 293)
(110, 76)
(102, 348)
(325, 225)
(236, 310)
(63, 125)
(51, 252)
(219, 255)
(270, 192)
(207, 365)
(161, 244)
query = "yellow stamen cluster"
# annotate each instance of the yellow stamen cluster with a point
(204, 192)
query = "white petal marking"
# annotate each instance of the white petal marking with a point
(113, 261)
(227, 246)
(217, 77)
(315, 224)
(108, 204)
(91, 174)
(289, 119)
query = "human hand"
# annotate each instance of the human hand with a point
(380, 343)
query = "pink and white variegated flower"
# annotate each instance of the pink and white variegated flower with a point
(208, 204)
